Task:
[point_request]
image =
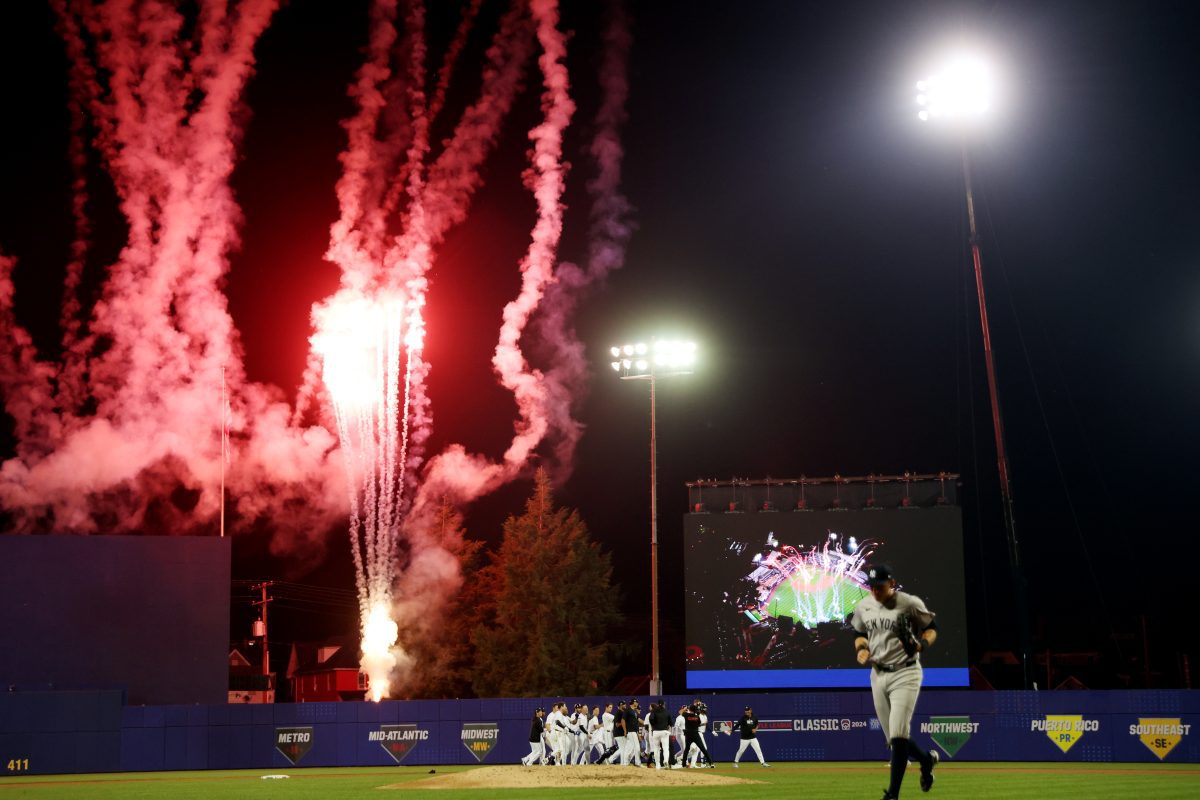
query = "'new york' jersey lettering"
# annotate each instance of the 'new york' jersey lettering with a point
(879, 623)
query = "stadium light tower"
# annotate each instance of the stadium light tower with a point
(961, 95)
(660, 358)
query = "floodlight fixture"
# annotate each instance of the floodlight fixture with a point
(964, 89)
(660, 357)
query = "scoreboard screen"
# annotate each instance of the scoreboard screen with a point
(768, 594)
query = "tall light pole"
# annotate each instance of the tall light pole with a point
(961, 93)
(647, 362)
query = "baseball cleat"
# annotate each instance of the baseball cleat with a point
(888, 795)
(735, 765)
(765, 764)
(927, 774)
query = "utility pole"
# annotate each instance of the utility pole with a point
(655, 677)
(266, 661)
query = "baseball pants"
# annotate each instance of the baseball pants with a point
(696, 746)
(749, 743)
(695, 749)
(537, 752)
(632, 750)
(660, 748)
(895, 695)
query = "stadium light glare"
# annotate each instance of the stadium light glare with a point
(963, 89)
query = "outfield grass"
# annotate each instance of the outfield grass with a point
(811, 781)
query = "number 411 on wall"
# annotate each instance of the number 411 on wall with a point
(18, 765)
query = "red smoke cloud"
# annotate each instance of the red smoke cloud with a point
(132, 413)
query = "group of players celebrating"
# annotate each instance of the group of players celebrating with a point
(624, 736)
(891, 629)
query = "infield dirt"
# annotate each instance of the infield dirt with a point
(517, 777)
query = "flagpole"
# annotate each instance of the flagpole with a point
(224, 423)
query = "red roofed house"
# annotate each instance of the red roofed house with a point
(324, 671)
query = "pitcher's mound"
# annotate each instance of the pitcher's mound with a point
(518, 777)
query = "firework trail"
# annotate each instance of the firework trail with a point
(610, 230)
(127, 417)
(376, 266)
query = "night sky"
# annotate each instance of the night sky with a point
(797, 220)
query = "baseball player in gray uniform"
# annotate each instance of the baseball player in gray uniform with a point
(893, 628)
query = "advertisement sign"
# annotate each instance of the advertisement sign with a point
(294, 743)
(398, 740)
(1065, 729)
(1160, 735)
(480, 737)
(950, 733)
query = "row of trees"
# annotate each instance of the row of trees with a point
(532, 617)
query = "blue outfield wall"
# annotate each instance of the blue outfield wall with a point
(71, 732)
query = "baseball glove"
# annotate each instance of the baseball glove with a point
(905, 630)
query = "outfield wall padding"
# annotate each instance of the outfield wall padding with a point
(73, 732)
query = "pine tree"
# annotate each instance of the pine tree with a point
(548, 605)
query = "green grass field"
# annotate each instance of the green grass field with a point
(812, 781)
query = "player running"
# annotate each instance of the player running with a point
(893, 628)
(537, 751)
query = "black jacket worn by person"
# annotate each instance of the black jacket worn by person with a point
(660, 720)
(746, 726)
(691, 733)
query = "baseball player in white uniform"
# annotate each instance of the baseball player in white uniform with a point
(677, 729)
(607, 719)
(556, 722)
(580, 735)
(616, 748)
(595, 736)
(893, 628)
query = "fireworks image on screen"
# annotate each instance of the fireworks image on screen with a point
(821, 584)
(790, 605)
